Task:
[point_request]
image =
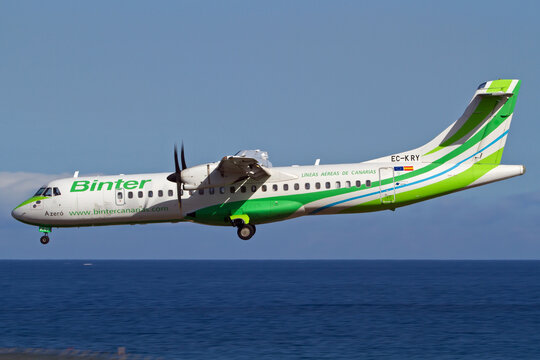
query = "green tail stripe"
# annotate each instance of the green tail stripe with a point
(483, 109)
(499, 85)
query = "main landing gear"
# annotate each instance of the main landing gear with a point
(45, 238)
(245, 231)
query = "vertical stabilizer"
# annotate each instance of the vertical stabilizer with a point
(481, 130)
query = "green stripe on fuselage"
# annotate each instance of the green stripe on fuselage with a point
(32, 199)
(281, 207)
(443, 187)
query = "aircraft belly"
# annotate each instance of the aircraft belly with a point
(258, 210)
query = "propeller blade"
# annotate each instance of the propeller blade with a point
(179, 194)
(184, 166)
(176, 165)
(176, 176)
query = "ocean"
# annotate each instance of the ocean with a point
(275, 309)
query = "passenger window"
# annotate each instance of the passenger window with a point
(170, 193)
(160, 193)
(327, 184)
(201, 191)
(222, 190)
(286, 187)
(56, 191)
(358, 183)
(48, 192)
(120, 195)
(348, 183)
(317, 185)
(150, 193)
(338, 184)
(368, 183)
(211, 191)
(253, 188)
(243, 189)
(297, 186)
(130, 194)
(263, 188)
(306, 185)
(140, 194)
(274, 187)
(232, 189)
(39, 192)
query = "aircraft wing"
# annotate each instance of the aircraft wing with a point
(246, 164)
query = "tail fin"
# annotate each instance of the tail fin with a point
(482, 129)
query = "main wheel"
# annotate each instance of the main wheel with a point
(44, 240)
(246, 231)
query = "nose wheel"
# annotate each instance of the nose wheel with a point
(45, 230)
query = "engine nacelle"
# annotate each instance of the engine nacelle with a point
(205, 176)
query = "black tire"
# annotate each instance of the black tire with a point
(246, 231)
(44, 240)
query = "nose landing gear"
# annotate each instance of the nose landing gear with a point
(45, 238)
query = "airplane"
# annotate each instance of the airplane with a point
(244, 190)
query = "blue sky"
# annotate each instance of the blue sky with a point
(109, 87)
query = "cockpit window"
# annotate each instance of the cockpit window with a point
(56, 191)
(48, 192)
(40, 191)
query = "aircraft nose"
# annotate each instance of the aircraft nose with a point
(17, 213)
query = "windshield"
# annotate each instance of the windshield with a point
(40, 191)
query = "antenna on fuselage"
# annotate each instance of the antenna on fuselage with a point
(76, 174)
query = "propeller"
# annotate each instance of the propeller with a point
(182, 157)
(176, 176)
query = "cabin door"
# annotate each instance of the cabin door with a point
(387, 185)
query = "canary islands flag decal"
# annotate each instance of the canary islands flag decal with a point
(403, 168)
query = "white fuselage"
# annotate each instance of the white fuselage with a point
(147, 198)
